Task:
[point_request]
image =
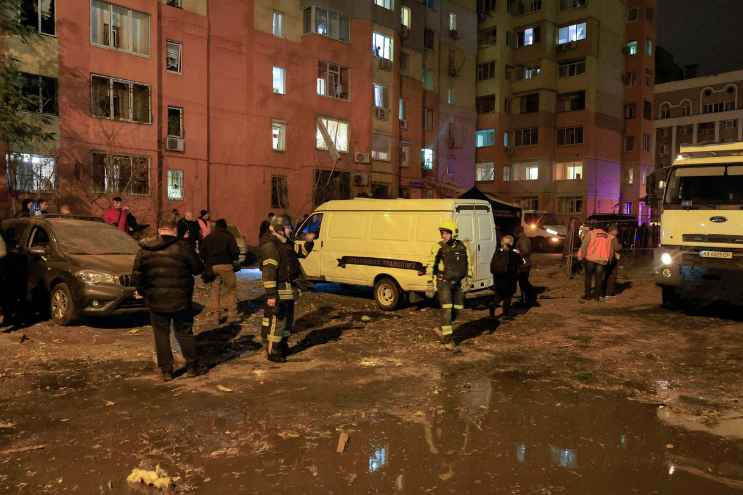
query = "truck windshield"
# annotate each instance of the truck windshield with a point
(706, 186)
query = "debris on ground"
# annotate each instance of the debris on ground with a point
(222, 388)
(23, 339)
(366, 318)
(227, 452)
(6, 425)
(342, 441)
(157, 479)
(21, 450)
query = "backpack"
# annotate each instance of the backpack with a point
(499, 263)
(455, 261)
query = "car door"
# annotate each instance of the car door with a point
(312, 229)
(38, 251)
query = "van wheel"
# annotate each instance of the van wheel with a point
(62, 305)
(671, 298)
(387, 293)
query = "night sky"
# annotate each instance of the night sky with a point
(704, 32)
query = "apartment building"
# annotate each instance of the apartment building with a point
(699, 110)
(563, 94)
(244, 107)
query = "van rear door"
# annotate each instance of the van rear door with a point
(485, 248)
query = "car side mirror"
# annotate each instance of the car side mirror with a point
(38, 251)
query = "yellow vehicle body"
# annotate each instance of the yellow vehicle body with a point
(702, 225)
(362, 241)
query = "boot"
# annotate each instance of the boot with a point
(275, 357)
(448, 342)
(195, 369)
(491, 310)
(166, 374)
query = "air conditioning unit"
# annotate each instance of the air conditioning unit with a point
(175, 143)
(360, 180)
(403, 124)
(381, 113)
(360, 157)
(385, 64)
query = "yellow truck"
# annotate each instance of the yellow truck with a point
(387, 244)
(701, 252)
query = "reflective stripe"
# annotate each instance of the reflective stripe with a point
(286, 292)
(266, 322)
(447, 306)
(446, 329)
(274, 338)
(270, 261)
(458, 306)
(269, 285)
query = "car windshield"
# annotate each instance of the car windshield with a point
(706, 186)
(96, 238)
(541, 219)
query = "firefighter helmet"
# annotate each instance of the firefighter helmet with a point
(280, 221)
(451, 226)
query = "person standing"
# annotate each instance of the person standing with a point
(612, 266)
(450, 268)
(117, 214)
(265, 224)
(43, 208)
(505, 269)
(164, 270)
(280, 267)
(596, 251)
(219, 251)
(523, 248)
(26, 208)
(188, 229)
(205, 226)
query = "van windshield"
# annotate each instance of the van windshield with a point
(706, 187)
(92, 238)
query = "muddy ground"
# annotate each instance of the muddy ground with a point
(568, 397)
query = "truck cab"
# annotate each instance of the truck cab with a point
(701, 252)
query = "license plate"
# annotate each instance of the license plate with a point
(720, 255)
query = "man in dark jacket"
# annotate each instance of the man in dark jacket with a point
(505, 269)
(164, 271)
(219, 251)
(188, 229)
(265, 224)
(523, 247)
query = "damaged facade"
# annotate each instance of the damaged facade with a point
(191, 104)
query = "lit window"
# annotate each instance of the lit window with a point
(38, 15)
(381, 146)
(528, 37)
(173, 56)
(119, 28)
(121, 174)
(380, 96)
(568, 171)
(382, 46)
(485, 171)
(405, 17)
(279, 80)
(630, 176)
(507, 173)
(175, 185)
(427, 158)
(278, 135)
(632, 48)
(31, 173)
(337, 132)
(401, 109)
(278, 24)
(332, 80)
(571, 33)
(485, 138)
(385, 4)
(326, 22)
(525, 171)
(452, 21)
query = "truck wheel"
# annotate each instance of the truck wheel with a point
(62, 305)
(387, 293)
(671, 298)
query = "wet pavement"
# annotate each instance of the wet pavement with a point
(567, 398)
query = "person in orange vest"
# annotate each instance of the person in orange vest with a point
(596, 250)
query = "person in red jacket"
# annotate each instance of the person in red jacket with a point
(117, 215)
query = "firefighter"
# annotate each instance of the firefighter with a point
(450, 267)
(281, 272)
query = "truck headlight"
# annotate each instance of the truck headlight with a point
(92, 277)
(551, 232)
(666, 259)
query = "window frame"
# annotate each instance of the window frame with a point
(565, 101)
(487, 166)
(281, 17)
(111, 80)
(570, 136)
(575, 27)
(41, 183)
(281, 91)
(526, 136)
(110, 31)
(381, 156)
(281, 140)
(332, 68)
(323, 146)
(179, 45)
(425, 162)
(39, 97)
(488, 138)
(131, 158)
(310, 23)
(38, 26)
(280, 191)
(175, 172)
(180, 118)
(385, 4)
(632, 48)
(564, 68)
(406, 14)
(376, 35)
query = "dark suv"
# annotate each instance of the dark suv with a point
(77, 265)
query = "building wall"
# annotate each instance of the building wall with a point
(599, 188)
(682, 117)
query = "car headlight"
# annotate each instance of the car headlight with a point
(93, 277)
(533, 226)
(551, 232)
(554, 240)
(666, 259)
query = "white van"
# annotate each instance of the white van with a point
(388, 244)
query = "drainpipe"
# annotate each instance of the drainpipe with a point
(208, 105)
(159, 126)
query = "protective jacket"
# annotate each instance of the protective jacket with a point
(280, 265)
(450, 262)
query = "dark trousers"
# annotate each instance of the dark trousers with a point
(527, 290)
(610, 278)
(595, 279)
(451, 298)
(277, 325)
(501, 297)
(183, 328)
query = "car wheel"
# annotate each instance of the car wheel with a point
(387, 293)
(62, 306)
(671, 298)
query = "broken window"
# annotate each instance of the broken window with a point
(173, 56)
(175, 121)
(329, 185)
(338, 132)
(120, 174)
(40, 93)
(175, 185)
(332, 80)
(39, 15)
(120, 100)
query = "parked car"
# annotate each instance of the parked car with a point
(76, 266)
